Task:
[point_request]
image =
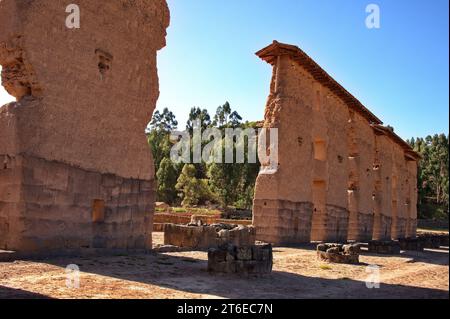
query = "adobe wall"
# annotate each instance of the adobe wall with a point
(283, 201)
(330, 215)
(411, 229)
(360, 178)
(383, 188)
(75, 141)
(399, 193)
(341, 175)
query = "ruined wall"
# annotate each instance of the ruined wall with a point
(282, 211)
(341, 175)
(74, 142)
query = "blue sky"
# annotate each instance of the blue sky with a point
(400, 71)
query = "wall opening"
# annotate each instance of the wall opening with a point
(98, 211)
(320, 150)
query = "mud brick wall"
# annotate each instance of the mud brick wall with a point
(204, 237)
(341, 174)
(360, 178)
(255, 259)
(76, 170)
(383, 188)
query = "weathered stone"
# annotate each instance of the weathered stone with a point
(73, 145)
(333, 250)
(384, 247)
(255, 259)
(244, 253)
(352, 249)
(338, 253)
(411, 244)
(204, 237)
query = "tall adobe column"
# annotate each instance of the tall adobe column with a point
(361, 178)
(77, 171)
(282, 206)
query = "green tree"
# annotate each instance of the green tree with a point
(433, 178)
(192, 190)
(198, 114)
(158, 135)
(166, 177)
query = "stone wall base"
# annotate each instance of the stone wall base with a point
(411, 244)
(360, 227)
(255, 259)
(282, 221)
(339, 253)
(389, 247)
(382, 226)
(431, 240)
(399, 227)
(46, 206)
(333, 226)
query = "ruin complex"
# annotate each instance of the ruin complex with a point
(76, 168)
(341, 174)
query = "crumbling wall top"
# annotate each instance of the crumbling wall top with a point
(85, 95)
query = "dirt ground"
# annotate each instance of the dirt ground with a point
(297, 274)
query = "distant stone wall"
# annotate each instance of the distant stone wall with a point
(433, 224)
(160, 219)
(204, 237)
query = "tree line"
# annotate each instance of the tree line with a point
(223, 184)
(432, 179)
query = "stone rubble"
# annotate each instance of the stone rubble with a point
(339, 253)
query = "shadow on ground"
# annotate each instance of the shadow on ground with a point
(189, 275)
(12, 293)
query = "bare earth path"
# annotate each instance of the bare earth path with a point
(297, 274)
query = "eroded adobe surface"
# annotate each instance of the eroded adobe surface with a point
(76, 168)
(341, 174)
